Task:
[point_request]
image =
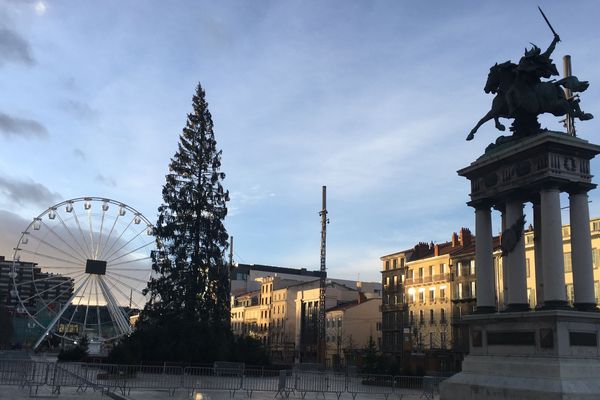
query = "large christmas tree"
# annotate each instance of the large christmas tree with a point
(187, 315)
(192, 279)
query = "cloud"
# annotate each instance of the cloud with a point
(247, 197)
(79, 154)
(11, 227)
(14, 126)
(14, 48)
(40, 7)
(27, 192)
(80, 109)
(105, 180)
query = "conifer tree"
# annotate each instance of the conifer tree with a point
(192, 277)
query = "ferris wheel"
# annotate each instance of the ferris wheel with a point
(81, 266)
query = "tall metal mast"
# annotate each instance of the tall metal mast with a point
(569, 121)
(321, 344)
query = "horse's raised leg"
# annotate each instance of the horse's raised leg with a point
(482, 121)
(499, 126)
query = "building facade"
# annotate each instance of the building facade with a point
(349, 327)
(283, 313)
(439, 287)
(395, 333)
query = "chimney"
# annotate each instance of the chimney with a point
(454, 239)
(421, 249)
(361, 297)
(436, 250)
(465, 237)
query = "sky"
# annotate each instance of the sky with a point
(373, 99)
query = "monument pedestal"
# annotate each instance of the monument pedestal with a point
(549, 355)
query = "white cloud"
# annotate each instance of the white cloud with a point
(40, 7)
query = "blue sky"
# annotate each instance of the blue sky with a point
(373, 99)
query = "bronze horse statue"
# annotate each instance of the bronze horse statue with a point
(521, 96)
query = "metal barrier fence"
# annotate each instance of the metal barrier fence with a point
(370, 384)
(203, 378)
(124, 378)
(24, 373)
(317, 382)
(259, 380)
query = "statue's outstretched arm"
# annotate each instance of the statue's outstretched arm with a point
(550, 49)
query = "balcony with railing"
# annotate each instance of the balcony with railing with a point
(391, 307)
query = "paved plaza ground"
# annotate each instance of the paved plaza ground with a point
(20, 372)
(16, 393)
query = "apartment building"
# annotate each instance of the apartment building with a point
(395, 334)
(428, 288)
(439, 286)
(283, 313)
(349, 327)
(247, 277)
(37, 289)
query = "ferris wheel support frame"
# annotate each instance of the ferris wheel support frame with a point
(57, 318)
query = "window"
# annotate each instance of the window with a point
(421, 272)
(395, 280)
(421, 317)
(460, 291)
(431, 294)
(568, 263)
(378, 326)
(411, 295)
(473, 294)
(431, 270)
(442, 315)
(402, 263)
(596, 255)
(442, 292)
(467, 290)
(472, 267)
(422, 295)
(394, 263)
(570, 293)
(566, 231)
(528, 239)
(431, 319)
(442, 269)
(458, 269)
(412, 318)
(443, 340)
(528, 267)
(387, 264)
(597, 290)
(409, 274)
(596, 226)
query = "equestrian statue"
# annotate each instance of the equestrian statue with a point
(521, 93)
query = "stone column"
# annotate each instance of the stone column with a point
(552, 250)
(503, 268)
(537, 251)
(581, 252)
(484, 263)
(515, 260)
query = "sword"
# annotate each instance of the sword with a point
(548, 22)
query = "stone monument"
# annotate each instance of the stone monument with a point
(551, 352)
